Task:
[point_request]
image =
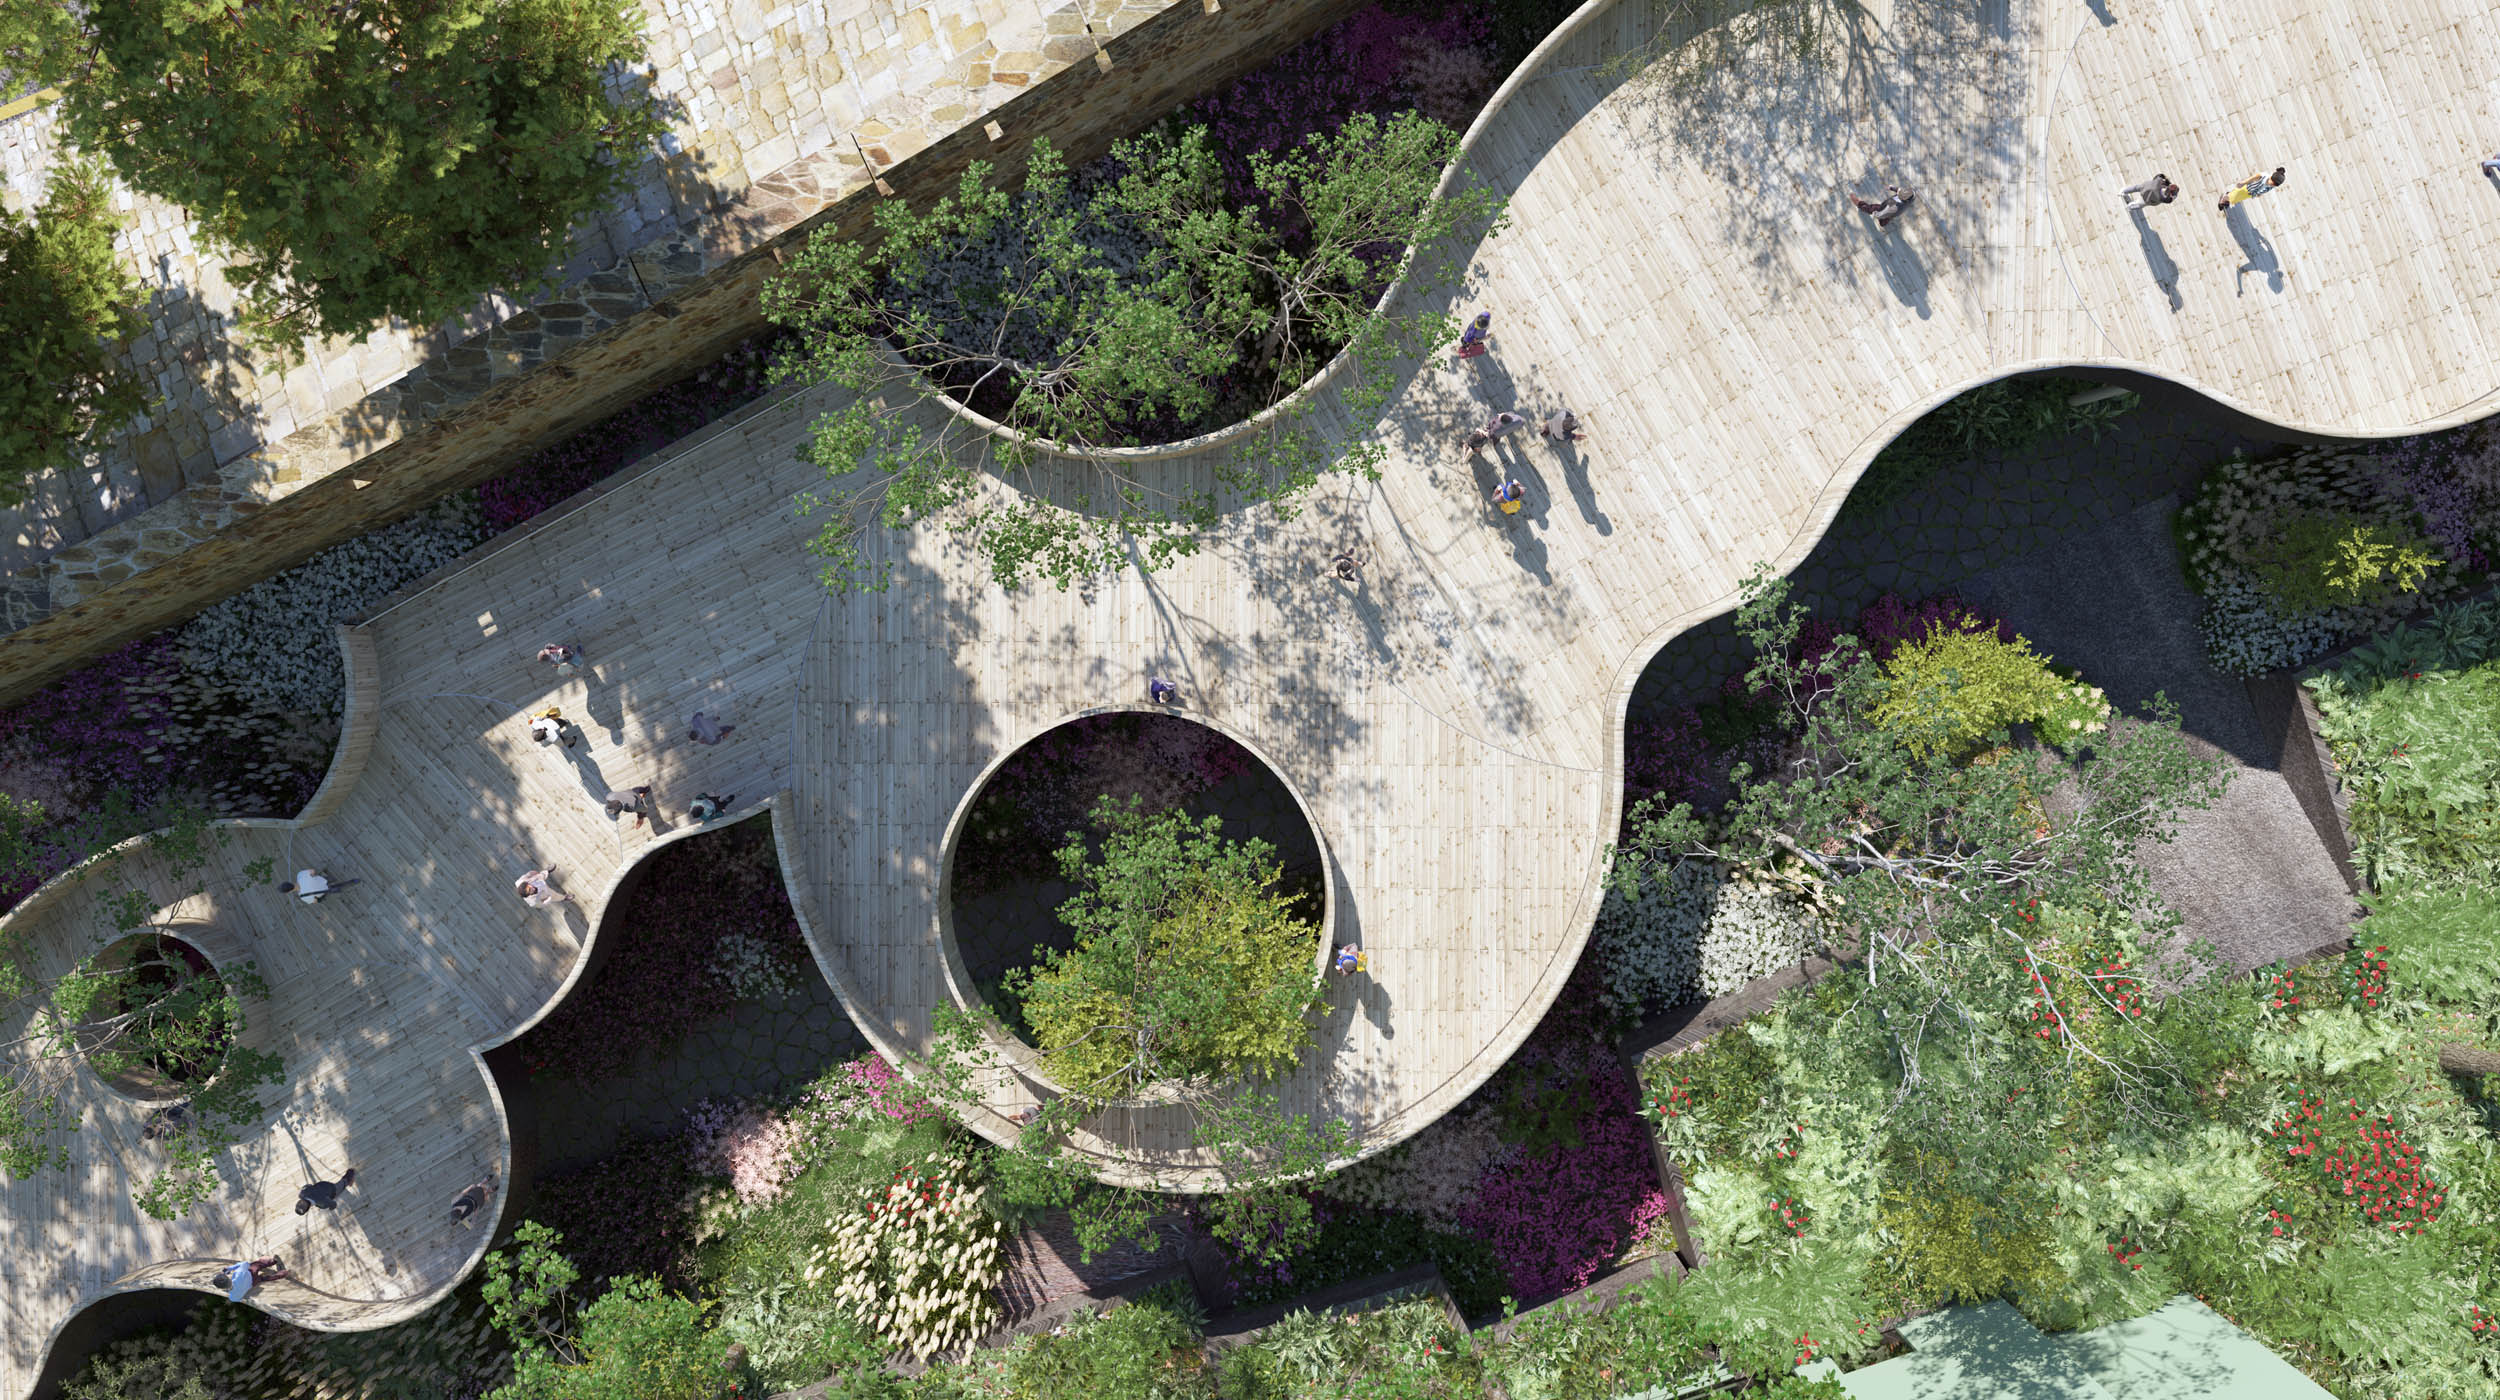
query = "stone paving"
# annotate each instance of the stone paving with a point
(751, 87)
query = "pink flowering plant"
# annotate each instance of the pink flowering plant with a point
(747, 1145)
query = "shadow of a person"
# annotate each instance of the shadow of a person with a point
(2259, 251)
(2165, 269)
(1575, 474)
(1904, 271)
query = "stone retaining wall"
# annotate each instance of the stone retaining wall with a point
(558, 367)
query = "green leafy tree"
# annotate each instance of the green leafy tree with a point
(1940, 868)
(354, 162)
(1099, 318)
(1188, 963)
(131, 1007)
(632, 1342)
(66, 303)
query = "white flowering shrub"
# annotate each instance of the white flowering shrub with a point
(2232, 538)
(750, 968)
(273, 641)
(916, 1261)
(1649, 949)
(2245, 634)
(1697, 931)
(2079, 712)
(1755, 929)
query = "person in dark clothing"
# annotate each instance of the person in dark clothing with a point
(708, 805)
(324, 1194)
(468, 1202)
(635, 800)
(173, 1120)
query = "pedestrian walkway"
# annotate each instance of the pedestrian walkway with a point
(1453, 726)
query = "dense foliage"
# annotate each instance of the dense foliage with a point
(66, 303)
(1189, 963)
(356, 163)
(2299, 552)
(2409, 719)
(1100, 311)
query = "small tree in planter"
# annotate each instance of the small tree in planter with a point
(1114, 315)
(1189, 964)
(138, 1011)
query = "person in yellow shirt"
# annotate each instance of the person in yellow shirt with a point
(2250, 188)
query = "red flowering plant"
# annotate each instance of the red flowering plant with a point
(2362, 1156)
(2357, 980)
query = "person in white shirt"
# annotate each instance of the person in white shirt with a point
(311, 886)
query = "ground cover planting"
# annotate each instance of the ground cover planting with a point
(2298, 553)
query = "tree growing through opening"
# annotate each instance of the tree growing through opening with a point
(1103, 315)
(1189, 962)
(149, 1010)
(66, 304)
(355, 162)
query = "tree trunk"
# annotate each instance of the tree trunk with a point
(2465, 1059)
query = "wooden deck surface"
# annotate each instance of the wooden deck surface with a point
(1680, 269)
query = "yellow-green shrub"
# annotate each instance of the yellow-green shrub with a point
(2323, 559)
(1953, 689)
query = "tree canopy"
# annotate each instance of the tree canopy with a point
(1189, 963)
(354, 162)
(2006, 933)
(1145, 302)
(130, 1005)
(66, 303)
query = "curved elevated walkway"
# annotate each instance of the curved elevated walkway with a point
(1680, 269)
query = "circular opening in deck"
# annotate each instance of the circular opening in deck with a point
(152, 1016)
(1004, 884)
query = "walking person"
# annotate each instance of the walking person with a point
(1349, 961)
(2491, 165)
(549, 726)
(1887, 209)
(324, 1194)
(171, 1121)
(565, 655)
(636, 800)
(536, 891)
(707, 805)
(2157, 190)
(310, 886)
(1471, 340)
(1348, 565)
(1560, 427)
(705, 728)
(1162, 692)
(2250, 188)
(471, 1200)
(1508, 496)
(1494, 429)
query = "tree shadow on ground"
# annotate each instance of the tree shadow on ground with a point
(1933, 101)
